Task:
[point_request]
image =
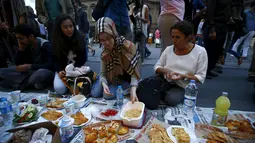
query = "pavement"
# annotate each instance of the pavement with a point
(232, 80)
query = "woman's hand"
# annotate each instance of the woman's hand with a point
(106, 89)
(133, 95)
(177, 76)
(62, 74)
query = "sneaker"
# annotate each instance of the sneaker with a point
(251, 78)
(147, 54)
(213, 74)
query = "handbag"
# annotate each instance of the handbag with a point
(100, 8)
(151, 89)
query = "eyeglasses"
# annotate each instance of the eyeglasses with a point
(105, 40)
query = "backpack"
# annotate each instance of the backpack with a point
(100, 8)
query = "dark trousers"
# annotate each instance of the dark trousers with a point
(252, 66)
(10, 78)
(50, 29)
(214, 48)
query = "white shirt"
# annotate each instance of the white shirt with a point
(194, 63)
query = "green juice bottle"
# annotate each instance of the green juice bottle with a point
(220, 113)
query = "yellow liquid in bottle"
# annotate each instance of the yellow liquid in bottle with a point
(221, 110)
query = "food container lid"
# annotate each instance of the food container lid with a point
(66, 121)
(68, 103)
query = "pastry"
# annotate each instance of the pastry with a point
(113, 127)
(90, 130)
(219, 137)
(51, 115)
(112, 139)
(180, 135)
(157, 134)
(56, 104)
(90, 138)
(102, 132)
(79, 118)
(123, 130)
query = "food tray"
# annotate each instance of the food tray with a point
(107, 123)
(43, 119)
(40, 109)
(115, 117)
(51, 100)
(87, 115)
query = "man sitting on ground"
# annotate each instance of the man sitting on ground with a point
(33, 62)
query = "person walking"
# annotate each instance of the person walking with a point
(140, 18)
(48, 10)
(215, 30)
(172, 11)
(118, 12)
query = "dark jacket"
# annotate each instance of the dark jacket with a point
(60, 62)
(218, 11)
(40, 58)
(83, 21)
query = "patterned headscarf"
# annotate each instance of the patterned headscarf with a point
(123, 57)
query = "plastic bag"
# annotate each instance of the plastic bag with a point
(40, 136)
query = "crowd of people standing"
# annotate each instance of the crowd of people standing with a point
(33, 57)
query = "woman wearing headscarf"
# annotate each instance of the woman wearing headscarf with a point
(119, 62)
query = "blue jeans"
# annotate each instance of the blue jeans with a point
(98, 91)
(59, 86)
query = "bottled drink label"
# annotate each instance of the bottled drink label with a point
(6, 109)
(189, 102)
(218, 120)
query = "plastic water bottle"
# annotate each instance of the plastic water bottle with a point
(190, 97)
(6, 111)
(119, 95)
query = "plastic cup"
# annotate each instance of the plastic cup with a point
(69, 107)
(15, 95)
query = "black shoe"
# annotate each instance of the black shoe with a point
(251, 79)
(147, 54)
(218, 70)
(208, 77)
(213, 74)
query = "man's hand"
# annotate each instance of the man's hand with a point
(133, 95)
(62, 74)
(106, 89)
(212, 35)
(23, 68)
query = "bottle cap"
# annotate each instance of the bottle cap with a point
(3, 99)
(119, 86)
(224, 94)
(192, 81)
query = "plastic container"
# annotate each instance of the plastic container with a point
(69, 107)
(79, 100)
(66, 126)
(15, 96)
(133, 122)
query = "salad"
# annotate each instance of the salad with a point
(28, 114)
